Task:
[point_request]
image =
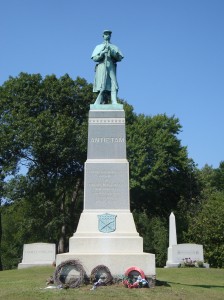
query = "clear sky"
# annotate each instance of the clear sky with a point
(173, 56)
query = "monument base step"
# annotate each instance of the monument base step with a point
(105, 244)
(117, 263)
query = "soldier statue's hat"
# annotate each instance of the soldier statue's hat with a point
(107, 31)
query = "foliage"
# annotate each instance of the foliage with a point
(205, 219)
(8, 161)
(207, 228)
(155, 235)
(160, 171)
(218, 177)
(44, 129)
(13, 239)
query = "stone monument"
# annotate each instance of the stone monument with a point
(177, 253)
(106, 233)
(38, 254)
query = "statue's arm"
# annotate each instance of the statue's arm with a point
(116, 54)
(99, 53)
(98, 57)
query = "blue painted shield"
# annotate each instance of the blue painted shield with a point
(107, 223)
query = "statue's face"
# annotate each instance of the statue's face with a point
(106, 36)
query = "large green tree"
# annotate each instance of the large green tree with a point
(206, 218)
(218, 178)
(207, 227)
(8, 159)
(154, 231)
(161, 172)
(46, 122)
(162, 179)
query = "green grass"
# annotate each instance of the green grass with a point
(175, 284)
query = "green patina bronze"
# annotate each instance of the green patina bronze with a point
(106, 55)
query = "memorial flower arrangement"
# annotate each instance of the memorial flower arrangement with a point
(135, 283)
(189, 263)
(100, 276)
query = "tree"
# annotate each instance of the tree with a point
(162, 179)
(205, 219)
(13, 237)
(207, 227)
(8, 159)
(1, 193)
(161, 172)
(154, 231)
(46, 122)
(218, 178)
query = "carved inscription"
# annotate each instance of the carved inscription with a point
(187, 252)
(195, 253)
(37, 251)
(107, 140)
(107, 188)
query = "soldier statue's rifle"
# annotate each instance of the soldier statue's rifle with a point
(104, 81)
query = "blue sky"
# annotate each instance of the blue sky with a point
(173, 56)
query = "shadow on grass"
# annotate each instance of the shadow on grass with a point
(199, 285)
(162, 283)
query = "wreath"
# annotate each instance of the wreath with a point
(132, 279)
(60, 278)
(101, 272)
(136, 270)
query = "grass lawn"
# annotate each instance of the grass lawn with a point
(175, 284)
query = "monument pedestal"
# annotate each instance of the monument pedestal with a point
(117, 250)
(106, 233)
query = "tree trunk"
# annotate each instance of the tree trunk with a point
(61, 243)
(75, 193)
(74, 199)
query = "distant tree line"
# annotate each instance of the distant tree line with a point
(43, 146)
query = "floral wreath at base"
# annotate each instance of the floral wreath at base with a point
(72, 283)
(99, 271)
(130, 282)
(138, 270)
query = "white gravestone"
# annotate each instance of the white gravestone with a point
(181, 252)
(177, 253)
(38, 254)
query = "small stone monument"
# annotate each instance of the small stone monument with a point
(106, 233)
(38, 254)
(177, 253)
